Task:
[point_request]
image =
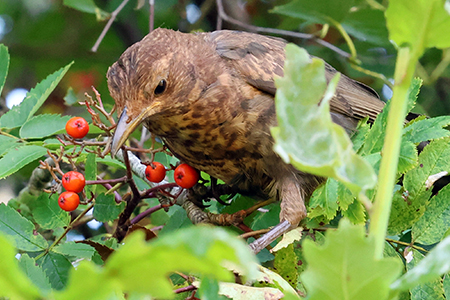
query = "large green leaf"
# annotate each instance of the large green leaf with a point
(13, 282)
(368, 25)
(4, 65)
(345, 268)
(16, 158)
(20, 230)
(427, 129)
(77, 250)
(21, 113)
(199, 249)
(43, 125)
(56, 267)
(306, 137)
(420, 24)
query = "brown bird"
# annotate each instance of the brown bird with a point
(210, 97)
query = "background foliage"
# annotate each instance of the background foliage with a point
(44, 37)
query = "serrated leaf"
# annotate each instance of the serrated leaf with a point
(20, 230)
(77, 250)
(288, 239)
(34, 272)
(408, 157)
(345, 268)
(16, 158)
(424, 273)
(14, 284)
(355, 212)
(325, 198)
(303, 114)
(91, 172)
(21, 113)
(6, 143)
(106, 209)
(434, 223)
(427, 129)
(57, 268)
(432, 290)
(375, 138)
(48, 214)
(319, 11)
(198, 249)
(4, 65)
(420, 24)
(42, 126)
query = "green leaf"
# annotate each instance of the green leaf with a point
(367, 25)
(77, 250)
(427, 270)
(419, 24)
(57, 268)
(434, 223)
(106, 209)
(4, 65)
(70, 98)
(20, 230)
(43, 125)
(34, 272)
(209, 289)
(304, 119)
(356, 213)
(432, 290)
(16, 158)
(6, 143)
(324, 200)
(48, 214)
(21, 113)
(91, 172)
(408, 157)
(14, 284)
(87, 6)
(319, 11)
(345, 268)
(427, 129)
(285, 264)
(198, 249)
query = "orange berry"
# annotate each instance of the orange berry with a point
(68, 201)
(186, 176)
(73, 181)
(155, 172)
(77, 127)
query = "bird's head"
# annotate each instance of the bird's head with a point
(155, 79)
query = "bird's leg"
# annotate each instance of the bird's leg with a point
(293, 210)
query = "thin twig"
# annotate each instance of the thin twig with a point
(151, 21)
(108, 25)
(306, 36)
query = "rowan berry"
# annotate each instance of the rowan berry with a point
(73, 181)
(186, 176)
(77, 127)
(155, 172)
(68, 201)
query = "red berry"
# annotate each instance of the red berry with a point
(77, 127)
(68, 201)
(73, 181)
(155, 172)
(186, 176)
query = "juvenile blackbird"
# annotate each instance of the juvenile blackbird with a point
(210, 97)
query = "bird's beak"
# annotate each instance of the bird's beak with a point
(124, 128)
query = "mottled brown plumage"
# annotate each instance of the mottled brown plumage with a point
(210, 97)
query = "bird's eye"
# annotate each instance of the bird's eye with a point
(161, 87)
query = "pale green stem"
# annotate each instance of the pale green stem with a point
(404, 72)
(348, 40)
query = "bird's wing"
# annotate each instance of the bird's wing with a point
(259, 58)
